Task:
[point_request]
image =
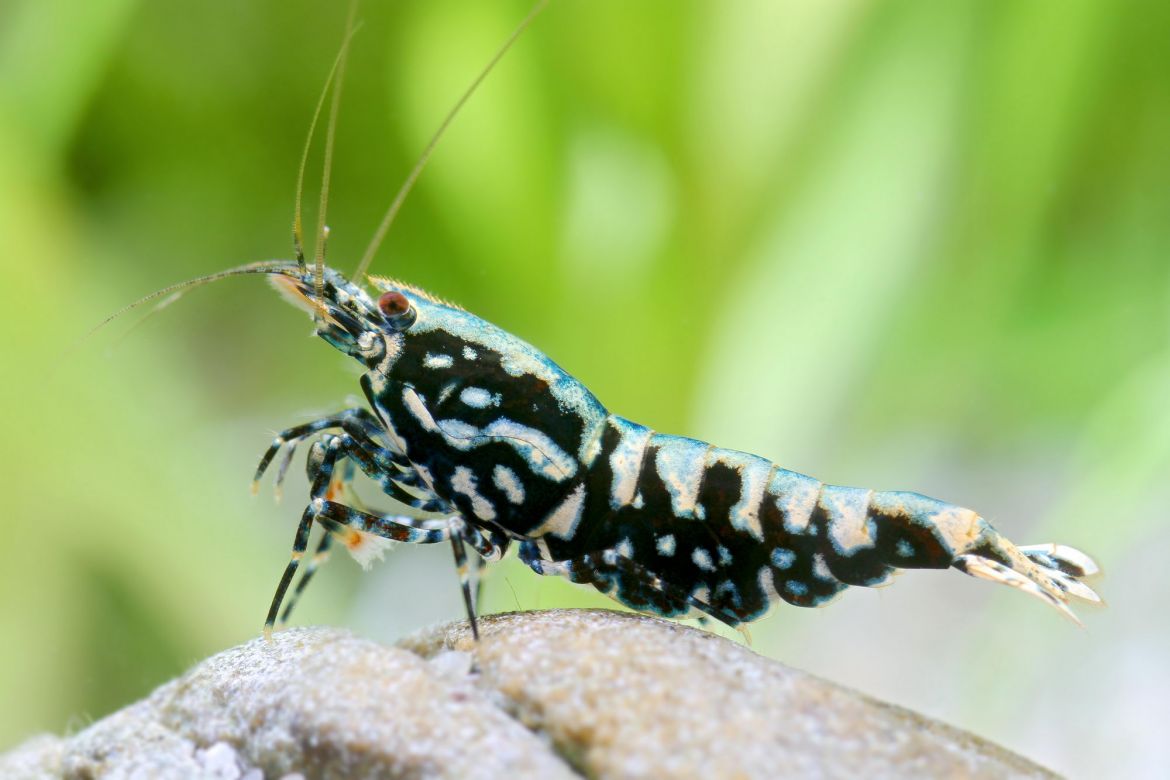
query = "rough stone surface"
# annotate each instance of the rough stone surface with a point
(317, 702)
(553, 694)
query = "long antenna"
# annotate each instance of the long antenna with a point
(392, 212)
(322, 232)
(298, 225)
(172, 291)
(330, 133)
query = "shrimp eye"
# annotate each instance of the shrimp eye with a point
(396, 309)
(393, 304)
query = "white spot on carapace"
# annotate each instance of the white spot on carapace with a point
(625, 548)
(563, 520)
(639, 502)
(679, 462)
(508, 483)
(459, 434)
(479, 398)
(469, 353)
(543, 455)
(365, 547)
(849, 530)
(905, 549)
(666, 545)
(795, 496)
(626, 460)
(416, 405)
(445, 393)
(432, 360)
(724, 555)
(464, 483)
(796, 588)
(702, 559)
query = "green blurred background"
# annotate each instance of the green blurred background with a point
(903, 244)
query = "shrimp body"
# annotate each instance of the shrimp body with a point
(493, 444)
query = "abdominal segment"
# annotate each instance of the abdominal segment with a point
(735, 532)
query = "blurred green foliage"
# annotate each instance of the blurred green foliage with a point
(903, 244)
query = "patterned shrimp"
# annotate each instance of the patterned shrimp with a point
(480, 428)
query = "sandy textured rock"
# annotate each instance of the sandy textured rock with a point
(624, 696)
(318, 702)
(555, 694)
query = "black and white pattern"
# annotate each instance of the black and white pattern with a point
(480, 431)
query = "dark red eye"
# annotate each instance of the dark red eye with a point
(393, 304)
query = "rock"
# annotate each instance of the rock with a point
(553, 694)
